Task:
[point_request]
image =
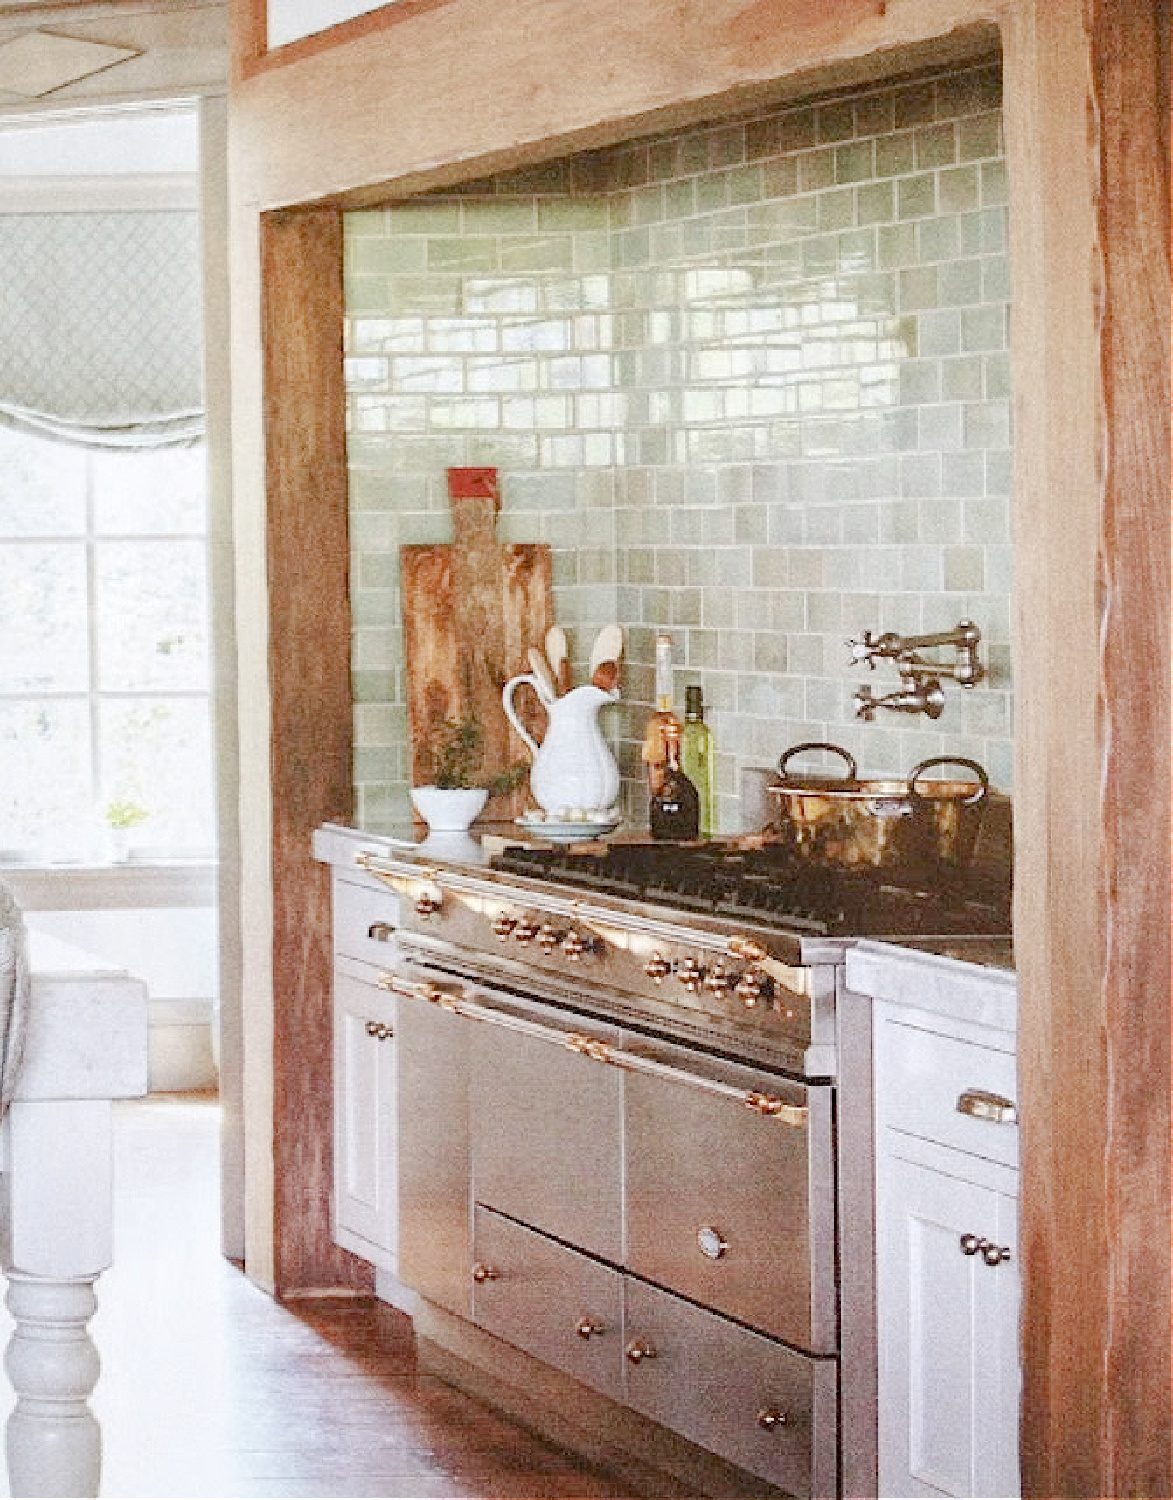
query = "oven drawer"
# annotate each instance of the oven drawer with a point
(733, 1208)
(547, 1136)
(945, 1090)
(365, 918)
(759, 1405)
(561, 1307)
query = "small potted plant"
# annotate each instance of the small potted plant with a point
(453, 798)
(121, 816)
(458, 790)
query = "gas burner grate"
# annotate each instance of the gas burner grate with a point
(770, 885)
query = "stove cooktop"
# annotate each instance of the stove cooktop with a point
(772, 886)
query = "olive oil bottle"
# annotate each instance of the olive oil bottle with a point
(697, 754)
(674, 811)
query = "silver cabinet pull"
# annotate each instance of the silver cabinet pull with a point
(993, 1255)
(381, 932)
(589, 1328)
(378, 1032)
(981, 1105)
(639, 1350)
(711, 1242)
(970, 1244)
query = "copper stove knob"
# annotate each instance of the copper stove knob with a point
(690, 974)
(718, 980)
(751, 987)
(548, 938)
(524, 932)
(503, 924)
(427, 903)
(639, 1350)
(588, 1328)
(657, 967)
(482, 1272)
(574, 945)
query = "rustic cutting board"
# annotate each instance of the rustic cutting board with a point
(471, 609)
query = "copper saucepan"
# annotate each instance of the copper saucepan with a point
(901, 824)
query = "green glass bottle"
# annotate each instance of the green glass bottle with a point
(697, 758)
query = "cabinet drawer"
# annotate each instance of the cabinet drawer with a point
(756, 1403)
(557, 1305)
(364, 921)
(922, 1077)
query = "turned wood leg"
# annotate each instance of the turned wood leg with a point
(58, 1183)
(54, 1444)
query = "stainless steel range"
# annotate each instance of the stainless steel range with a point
(658, 1121)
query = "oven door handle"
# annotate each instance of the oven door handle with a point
(769, 1105)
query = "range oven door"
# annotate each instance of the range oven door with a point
(695, 1172)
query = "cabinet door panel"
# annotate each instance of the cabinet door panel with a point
(435, 1228)
(365, 1158)
(754, 1402)
(948, 1334)
(547, 1138)
(557, 1305)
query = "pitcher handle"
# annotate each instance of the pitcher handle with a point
(507, 693)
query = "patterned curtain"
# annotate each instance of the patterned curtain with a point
(101, 330)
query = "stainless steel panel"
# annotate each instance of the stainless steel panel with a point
(735, 1209)
(758, 1404)
(435, 1226)
(547, 1137)
(556, 1305)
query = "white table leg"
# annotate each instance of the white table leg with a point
(53, 1440)
(58, 1239)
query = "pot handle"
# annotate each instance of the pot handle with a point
(511, 713)
(980, 791)
(848, 759)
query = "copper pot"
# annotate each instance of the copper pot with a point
(914, 824)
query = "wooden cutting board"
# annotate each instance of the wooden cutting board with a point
(471, 609)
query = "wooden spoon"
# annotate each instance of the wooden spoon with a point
(556, 655)
(547, 689)
(606, 676)
(608, 646)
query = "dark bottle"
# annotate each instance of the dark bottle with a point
(674, 811)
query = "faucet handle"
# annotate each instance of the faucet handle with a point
(866, 702)
(863, 650)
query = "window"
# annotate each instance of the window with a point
(105, 714)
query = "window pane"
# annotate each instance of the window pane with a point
(158, 492)
(42, 487)
(151, 615)
(46, 802)
(43, 628)
(157, 753)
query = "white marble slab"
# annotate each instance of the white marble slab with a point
(974, 993)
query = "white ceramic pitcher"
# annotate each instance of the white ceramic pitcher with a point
(573, 766)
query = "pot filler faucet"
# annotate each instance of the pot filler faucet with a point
(920, 689)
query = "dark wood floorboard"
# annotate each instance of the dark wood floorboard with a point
(211, 1388)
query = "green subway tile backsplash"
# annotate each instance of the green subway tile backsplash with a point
(749, 381)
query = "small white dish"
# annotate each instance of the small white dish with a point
(567, 830)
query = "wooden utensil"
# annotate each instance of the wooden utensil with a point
(556, 655)
(608, 646)
(547, 688)
(606, 676)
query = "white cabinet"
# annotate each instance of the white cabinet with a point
(366, 1213)
(947, 1284)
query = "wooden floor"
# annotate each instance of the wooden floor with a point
(210, 1388)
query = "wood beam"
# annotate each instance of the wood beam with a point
(311, 738)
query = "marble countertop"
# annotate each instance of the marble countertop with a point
(932, 976)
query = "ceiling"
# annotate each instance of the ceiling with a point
(56, 53)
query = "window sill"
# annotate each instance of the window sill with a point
(136, 884)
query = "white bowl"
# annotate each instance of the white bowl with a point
(448, 809)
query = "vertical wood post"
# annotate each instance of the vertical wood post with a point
(309, 676)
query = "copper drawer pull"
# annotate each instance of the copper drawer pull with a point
(979, 1104)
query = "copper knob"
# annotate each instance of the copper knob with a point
(690, 974)
(427, 903)
(482, 1272)
(772, 1417)
(751, 987)
(639, 1350)
(718, 980)
(503, 924)
(524, 932)
(657, 967)
(588, 1328)
(574, 945)
(548, 938)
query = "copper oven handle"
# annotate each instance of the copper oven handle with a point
(593, 1047)
(795, 980)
